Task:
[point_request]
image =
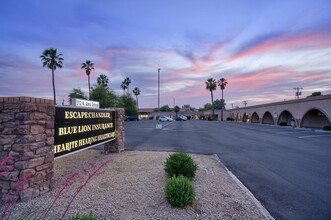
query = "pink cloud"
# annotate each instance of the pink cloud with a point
(286, 42)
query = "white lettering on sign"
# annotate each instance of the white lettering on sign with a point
(84, 103)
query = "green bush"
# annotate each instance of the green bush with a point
(180, 164)
(179, 191)
(283, 123)
(327, 128)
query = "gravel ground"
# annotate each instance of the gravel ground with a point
(132, 187)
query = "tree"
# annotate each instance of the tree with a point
(88, 66)
(129, 105)
(176, 109)
(124, 87)
(136, 92)
(127, 82)
(222, 84)
(106, 98)
(52, 60)
(165, 108)
(219, 104)
(103, 80)
(211, 86)
(76, 93)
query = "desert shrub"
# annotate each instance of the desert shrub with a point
(180, 164)
(283, 123)
(85, 217)
(327, 128)
(179, 191)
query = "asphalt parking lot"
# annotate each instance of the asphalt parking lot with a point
(288, 170)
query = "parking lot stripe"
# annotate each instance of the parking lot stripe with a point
(314, 136)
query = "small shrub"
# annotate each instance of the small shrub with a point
(283, 123)
(180, 164)
(179, 191)
(327, 128)
(84, 217)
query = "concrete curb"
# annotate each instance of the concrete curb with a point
(263, 210)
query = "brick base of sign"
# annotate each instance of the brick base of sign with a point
(117, 145)
(26, 140)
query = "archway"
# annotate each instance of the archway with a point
(238, 117)
(267, 118)
(285, 118)
(255, 118)
(314, 118)
(246, 117)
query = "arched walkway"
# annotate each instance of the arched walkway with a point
(267, 118)
(314, 118)
(255, 118)
(246, 117)
(238, 117)
(285, 118)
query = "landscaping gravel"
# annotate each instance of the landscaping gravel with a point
(132, 187)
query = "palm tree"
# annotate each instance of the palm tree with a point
(52, 60)
(211, 86)
(127, 81)
(136, 92)
(88, 66)
(177, 109)
(124, 87)
(103, 80)
(222, 84)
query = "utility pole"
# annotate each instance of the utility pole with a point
(158, 90)
(297, 92)
(245, 102)
(158, 125)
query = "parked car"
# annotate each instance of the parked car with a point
(183, 117)
(132, 118)
(180, 119)
(165, 118)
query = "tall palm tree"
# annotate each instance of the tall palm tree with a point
(88, 66)
(127, 81)
(222, 84)
(52, 60)
(124, 87)
(136, 92)
(211, 86)
(103, 80)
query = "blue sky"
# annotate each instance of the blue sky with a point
(263, 48)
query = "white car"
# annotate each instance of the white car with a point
(183, 117)
(165, 118)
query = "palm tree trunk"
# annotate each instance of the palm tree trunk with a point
(137, 104)
(212, 104)
(222, 107)
(89, 88)
(54, 95)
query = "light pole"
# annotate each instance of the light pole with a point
(158, 125)
(158, 90)
(297, 92)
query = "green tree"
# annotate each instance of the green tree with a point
(165, 108)
(219, 104)
(136, 92)
(211, 86)
(88, 66)
(76, 93)
(129, 105)
(222, 84)
(103, 80)
(106, 98)
(52, 60)
(176, 109)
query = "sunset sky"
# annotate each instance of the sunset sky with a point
(263, 48)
